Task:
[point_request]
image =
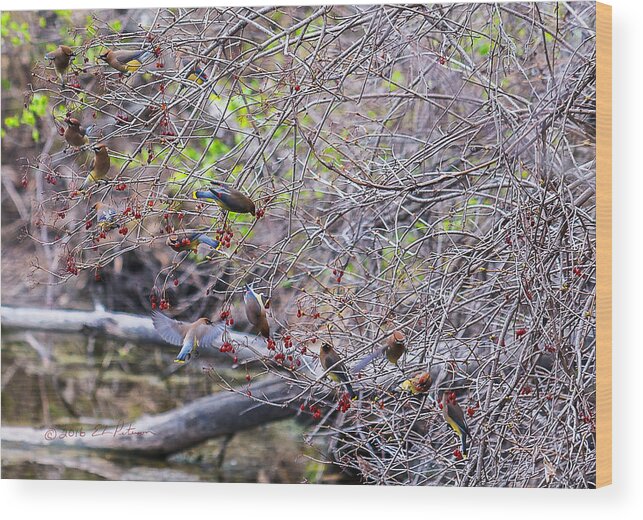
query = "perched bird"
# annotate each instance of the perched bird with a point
(256, 311)
(76, 135)
(393, 349)
(194, 72)
(189, 336)
(230, 199)
(197, 75)
(454, 416)
(99, 167)
(330, 361)
(126, 62)
(105, 216)
(62, 58)
(190, 241)
(417, 384)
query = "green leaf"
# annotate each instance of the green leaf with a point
(11, 122)
(28, 118)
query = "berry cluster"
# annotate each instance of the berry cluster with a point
(227, 347)
(344, 403)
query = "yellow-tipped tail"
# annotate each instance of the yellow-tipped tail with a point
(407, 386)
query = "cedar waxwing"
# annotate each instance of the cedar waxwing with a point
(76, 135)
(228, 198)
(394, 348)
(418, 384)
(190, 241)
(454, 416)
(126, 61)
(190, 336)
(256, 311)
(105, 216)
(99, 166)
(336, 370)
(195, 73)
(62, 58)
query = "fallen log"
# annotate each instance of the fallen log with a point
(117, 326)
(223, 413)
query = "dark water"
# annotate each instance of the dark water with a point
(72, 382)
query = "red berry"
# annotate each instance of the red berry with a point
(176, 283)
(521, 332)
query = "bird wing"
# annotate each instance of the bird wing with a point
(106, 214)
(361, 364)
(208, 335)
(336, 366)
(170, 330)
(125, 57)
(86, 130)
(457, 416)
(253, 305)
(231, 198)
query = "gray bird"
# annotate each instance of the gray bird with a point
(126, 62)
(256, 311)
(75, 134)
(230, 199)
(336, 370)
(62, 58)
(201, 333)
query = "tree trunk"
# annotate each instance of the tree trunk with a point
(169, 432)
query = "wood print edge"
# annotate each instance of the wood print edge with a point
(604, 244)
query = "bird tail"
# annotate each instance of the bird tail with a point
(463, 438)
(184, 354)
(350, 390)
(361, 364)
(407, 386)
(205, 239)
(201, 194)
